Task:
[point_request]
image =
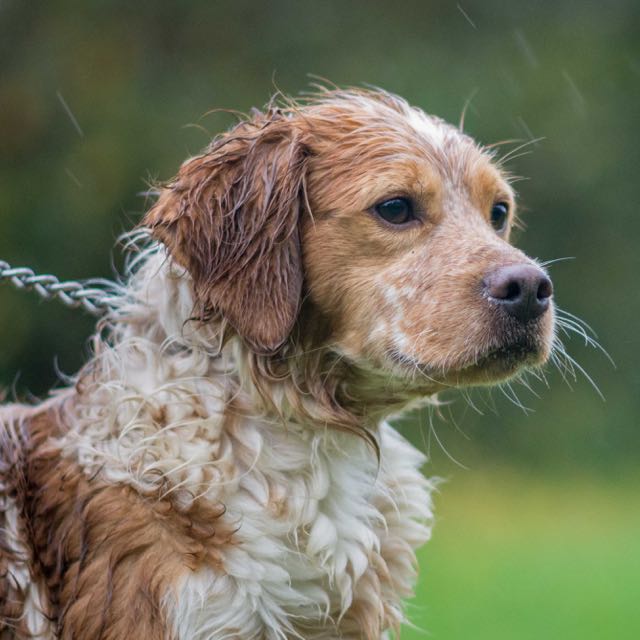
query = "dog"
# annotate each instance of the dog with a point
(221, 467)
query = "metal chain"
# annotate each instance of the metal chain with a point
(88, 295)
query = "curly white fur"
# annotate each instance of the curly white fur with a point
(320, 522)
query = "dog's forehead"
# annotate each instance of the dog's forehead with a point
(375, 126)
(367, 147)
(380, 111)
(434, 130)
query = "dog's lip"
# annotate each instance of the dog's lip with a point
(509, 355)
(506, 357)
(519, 349)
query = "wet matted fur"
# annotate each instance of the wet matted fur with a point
(221, 467)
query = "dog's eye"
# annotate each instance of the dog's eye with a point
(499, 215)
(395, 211)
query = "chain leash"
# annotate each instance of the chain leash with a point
(89, 295)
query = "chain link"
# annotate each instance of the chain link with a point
(88, 295)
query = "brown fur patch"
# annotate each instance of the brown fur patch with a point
(106, 555)
(231, 218)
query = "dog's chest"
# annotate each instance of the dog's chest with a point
(322, 532)
(315, 522)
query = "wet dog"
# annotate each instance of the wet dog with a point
(221, 467)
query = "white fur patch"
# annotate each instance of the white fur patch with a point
(396, 299)
(431, 128)
(302, 570)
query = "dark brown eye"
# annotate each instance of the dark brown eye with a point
(499, 215)
(395, 211)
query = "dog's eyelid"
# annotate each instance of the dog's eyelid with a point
(393, 195)
(418, 206)
(506, 197)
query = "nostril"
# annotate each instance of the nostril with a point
(545, 289)
(513, 290)
(504, 285)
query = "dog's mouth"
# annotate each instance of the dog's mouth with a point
(505, 360)
(495, 364)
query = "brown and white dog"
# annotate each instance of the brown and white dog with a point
(221, 468)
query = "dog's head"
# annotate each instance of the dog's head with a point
(361, 225)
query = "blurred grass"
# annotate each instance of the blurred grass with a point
(531, 558)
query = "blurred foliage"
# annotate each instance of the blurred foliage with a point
(96, 98)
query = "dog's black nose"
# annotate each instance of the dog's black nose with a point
(522, 290)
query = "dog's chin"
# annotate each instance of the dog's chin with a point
(497, 364)
(500, 363)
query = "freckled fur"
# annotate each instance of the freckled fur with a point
(221, 467)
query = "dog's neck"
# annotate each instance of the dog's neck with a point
(307, 382)
(172, 409)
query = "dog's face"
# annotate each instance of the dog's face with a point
(408, 251)
(392, 226)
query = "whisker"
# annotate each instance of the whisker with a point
(467, 396)
(516, 179)
(441, 445)
(465, 107)
(502, 143)
(577, 319)
(522, 379)
(489, 401)
(510, 158)
(511, 395)
(564, 371)
(511, 154)
(457, 427)
(580, 328)
(546, 263)
(570, 328)
(538, 374)
(560, 348)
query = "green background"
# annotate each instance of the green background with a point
(538, 534)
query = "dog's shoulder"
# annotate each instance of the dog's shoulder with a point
(81, 557)
(24, 605)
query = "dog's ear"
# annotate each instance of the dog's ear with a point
(231, 218)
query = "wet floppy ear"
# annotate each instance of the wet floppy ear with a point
(231, 218)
